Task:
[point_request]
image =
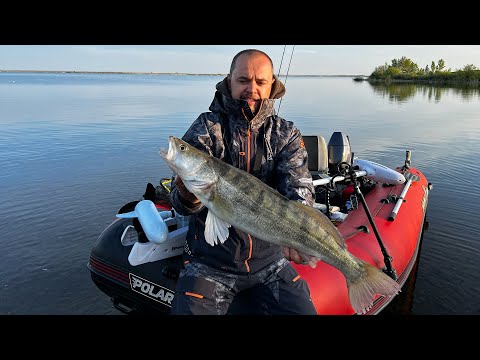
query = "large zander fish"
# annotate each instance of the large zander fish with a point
(236, 198)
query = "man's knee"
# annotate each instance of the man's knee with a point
(198, 294)
(292, 292)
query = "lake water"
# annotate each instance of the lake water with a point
(74, 148)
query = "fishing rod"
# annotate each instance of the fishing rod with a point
(281, 61)
(351, 176)
(286, 75)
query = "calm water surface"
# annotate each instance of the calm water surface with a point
(75, 147)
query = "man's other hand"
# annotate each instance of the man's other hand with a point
(299, 258)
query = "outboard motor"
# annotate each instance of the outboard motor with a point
(339, 151)
(317, 155)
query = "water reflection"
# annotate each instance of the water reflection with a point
(403, 92)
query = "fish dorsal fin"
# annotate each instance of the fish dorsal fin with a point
(323, 221)
(216, 229)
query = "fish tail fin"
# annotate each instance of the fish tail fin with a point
(363, 289)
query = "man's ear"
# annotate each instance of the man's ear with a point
(229, 82)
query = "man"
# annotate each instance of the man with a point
(242, 129)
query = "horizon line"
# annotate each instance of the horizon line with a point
(157, 73)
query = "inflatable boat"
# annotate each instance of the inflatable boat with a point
(381, 213)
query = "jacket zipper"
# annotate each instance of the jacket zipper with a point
(250, 240)
(248, 147)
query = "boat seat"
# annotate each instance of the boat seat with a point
(317, 155)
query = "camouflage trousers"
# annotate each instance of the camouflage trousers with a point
(277, 289)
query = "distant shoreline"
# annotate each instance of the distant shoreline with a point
(148, 73)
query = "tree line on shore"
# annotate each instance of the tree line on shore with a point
(404, 69)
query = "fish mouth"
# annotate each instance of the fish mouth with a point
(164, 153)
(174, 157)
(168, 154)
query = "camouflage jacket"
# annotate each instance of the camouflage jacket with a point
(231, 132)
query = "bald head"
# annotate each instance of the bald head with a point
(249, 53)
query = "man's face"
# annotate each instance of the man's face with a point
(251, 80)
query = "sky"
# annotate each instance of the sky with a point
(215, 59)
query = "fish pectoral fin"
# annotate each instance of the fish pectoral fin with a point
(216, 229)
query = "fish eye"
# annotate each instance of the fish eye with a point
(183, 147)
